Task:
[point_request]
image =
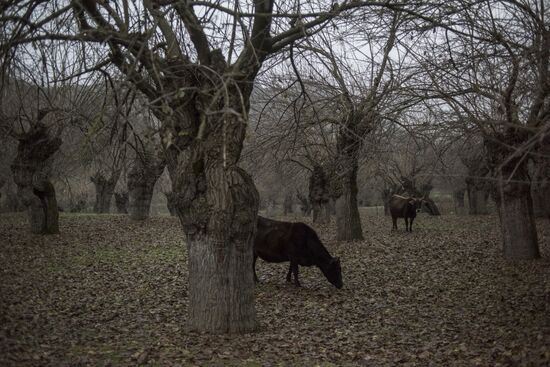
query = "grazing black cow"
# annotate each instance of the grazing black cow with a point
(404, 207)
(298, 243)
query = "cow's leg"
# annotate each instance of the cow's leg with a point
(288, 279)
(254, 269)
(294, 267)
(406, 224)
(411, 225)
(394, 219)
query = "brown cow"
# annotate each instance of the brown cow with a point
(404, 207)
(298, 243)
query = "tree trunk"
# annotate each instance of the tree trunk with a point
(121, 201)
(104, 189)
(512, 195)
(519, 232)
(31, 169)
(540, 186)
(477, 199)
(477, 184)
(141, 183)
(11, 202)
(217, 207)
(217, 204)
(288, 204)
(319, 195)
(348, 221)
(170, 202)
(458, 198)
(305, 206)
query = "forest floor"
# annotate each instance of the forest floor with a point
(109, 292)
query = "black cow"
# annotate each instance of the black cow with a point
(404, 207)
(298, 243)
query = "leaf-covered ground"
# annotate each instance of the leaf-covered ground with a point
(108, 292)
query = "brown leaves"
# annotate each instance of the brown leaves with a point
(107, 291)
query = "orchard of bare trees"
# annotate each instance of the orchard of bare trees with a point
(141, 141)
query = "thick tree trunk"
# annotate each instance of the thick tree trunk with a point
(142, 178)
(31, 169)
(170, 202)
(519, 232)
(217, 208)
(540, 187)
(477, 184)
(348, 221)
(104, 189)
(11, 202)
(305, 206)
(320, 213)
(458, 198)
(121, 202)
(512, 196)
(319, 195)
(477, 199)
(217, 204)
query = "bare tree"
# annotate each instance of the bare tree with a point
(492, 72)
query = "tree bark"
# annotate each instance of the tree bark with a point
(458, 198)
(217, 204)
(348, 221)
(31, 169)
(104, 189)
(319, 195)
(121, 201)
(305, 206)
(512, 195)
(170, 202)
(221, 284)
(477, 199)
(142, 178)
(288, 204)
(540, 187)
(477, 184)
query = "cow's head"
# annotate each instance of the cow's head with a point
(333, 272)
(416, 203)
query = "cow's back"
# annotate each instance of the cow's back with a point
(398, 207)
(277, 241)
(271, 242)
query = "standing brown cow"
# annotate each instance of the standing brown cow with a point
(404, 207)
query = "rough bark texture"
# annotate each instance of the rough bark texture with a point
(319, 195)
(459, 200)
(216, 201)
(348, 221)
(121, 202)
(31, 169)
(217, 204)
(512, 195)
(141, 182)
(356, 124)
(170, 202)
(305, 205)
(477, 184)
(540, 187)
(104, 189)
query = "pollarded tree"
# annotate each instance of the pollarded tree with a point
(478, 183)
(493, 72)
(145, 170)
(31, 169)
